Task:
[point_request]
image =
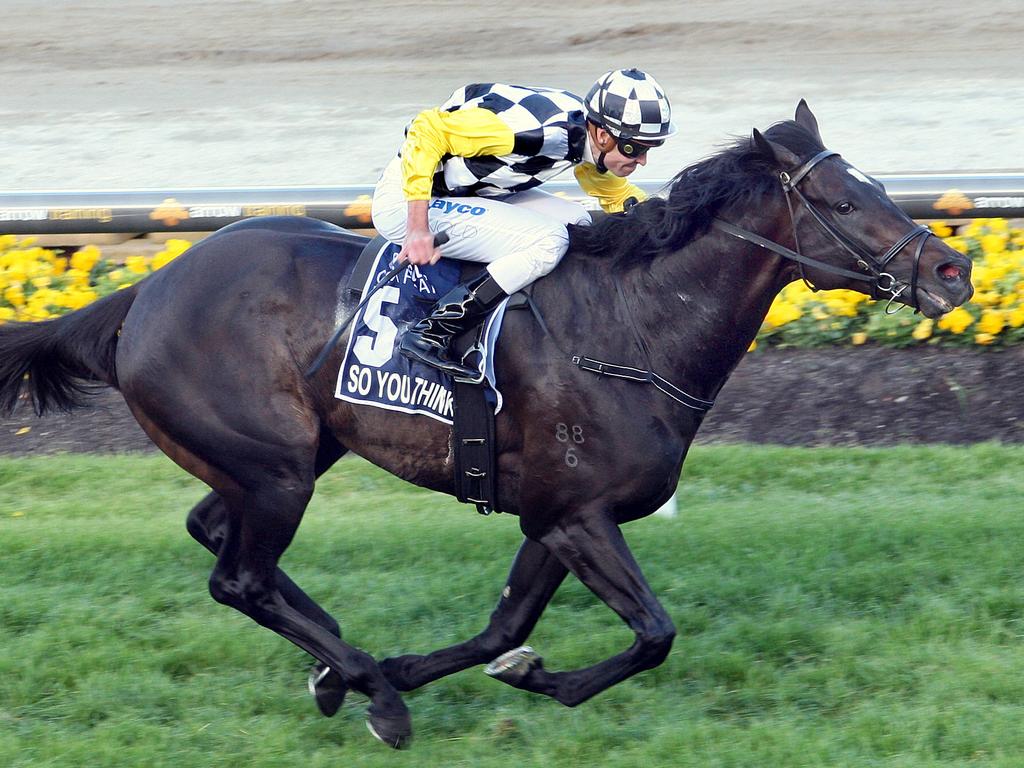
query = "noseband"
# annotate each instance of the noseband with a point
(874, 269)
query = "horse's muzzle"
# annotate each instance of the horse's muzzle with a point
(948, 286)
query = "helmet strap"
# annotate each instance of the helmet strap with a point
(603, 147)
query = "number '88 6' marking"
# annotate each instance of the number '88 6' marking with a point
(565, 433)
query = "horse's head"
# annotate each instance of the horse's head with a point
(851, 233)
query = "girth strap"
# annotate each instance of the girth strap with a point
(648, 377)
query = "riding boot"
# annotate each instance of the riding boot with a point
(429, 340)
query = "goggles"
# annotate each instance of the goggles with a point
(633, 149)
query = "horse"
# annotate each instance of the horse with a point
(643, 322)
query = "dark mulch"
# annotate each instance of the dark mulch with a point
(864, 396)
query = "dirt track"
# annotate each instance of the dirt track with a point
(820, 397)
(145, 93)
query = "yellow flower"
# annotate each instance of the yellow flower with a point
(137, 264)
(173, 248)
(858, 338)
(992, 322)
(984, 338)
(84, 259)
(162, 259)
(6, 313)
(986, 298)
(956, 321)
(923, 330)
(1015, 317)
(35, 312)
(79, 299)
(941, 228)
(17, 272)
(14, 295)
(782, 312)
(993, 244)
(753, 346)
(957, 244)
(843, 303)
(78, 276)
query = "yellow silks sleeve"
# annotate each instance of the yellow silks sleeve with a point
(610, 190)
(433, 134)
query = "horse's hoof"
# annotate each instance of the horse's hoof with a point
(396, 732)
(512, 667)
(327, 688)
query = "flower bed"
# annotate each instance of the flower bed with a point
(800, 317)
(38, 283)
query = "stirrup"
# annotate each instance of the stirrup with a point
(423, 355)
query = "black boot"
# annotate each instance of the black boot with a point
(429, 339)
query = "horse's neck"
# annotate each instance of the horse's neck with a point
(701, 307)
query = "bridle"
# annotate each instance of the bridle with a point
(873, 268)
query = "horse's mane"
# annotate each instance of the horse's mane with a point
(739, 174)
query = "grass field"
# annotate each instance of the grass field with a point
(835, 608)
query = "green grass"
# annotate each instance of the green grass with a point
(839, 607)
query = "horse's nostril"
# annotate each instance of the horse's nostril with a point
(950, 272)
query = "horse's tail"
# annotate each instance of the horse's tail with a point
(54, 361)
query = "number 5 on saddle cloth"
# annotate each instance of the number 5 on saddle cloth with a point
(374, 373)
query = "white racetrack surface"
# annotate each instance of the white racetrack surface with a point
(149, 93)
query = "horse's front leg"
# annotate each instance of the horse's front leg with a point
(593, 548)
(535, 576)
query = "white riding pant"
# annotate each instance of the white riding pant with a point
(520, 237)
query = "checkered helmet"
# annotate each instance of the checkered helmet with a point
(630, 104)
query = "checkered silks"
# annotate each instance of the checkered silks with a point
(549, 128)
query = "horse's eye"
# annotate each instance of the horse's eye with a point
(844, 207)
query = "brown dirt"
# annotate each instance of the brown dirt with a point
(863, 396)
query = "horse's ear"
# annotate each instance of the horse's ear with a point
(806, 118)
(781, 156)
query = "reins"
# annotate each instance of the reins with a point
(439, 239)
(874, 273)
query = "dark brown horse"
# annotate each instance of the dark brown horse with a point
(209, 354)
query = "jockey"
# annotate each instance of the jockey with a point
(470, 167)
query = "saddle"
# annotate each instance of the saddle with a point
(473, 405)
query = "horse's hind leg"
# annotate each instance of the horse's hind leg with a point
(535, 576)
(262, 519)
(208, 524)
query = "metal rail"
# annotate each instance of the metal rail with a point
(948, 196)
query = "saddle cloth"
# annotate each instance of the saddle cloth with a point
(375, 373)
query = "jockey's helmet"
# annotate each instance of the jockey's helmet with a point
(629, 104)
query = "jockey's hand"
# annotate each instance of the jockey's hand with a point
(419, 248)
